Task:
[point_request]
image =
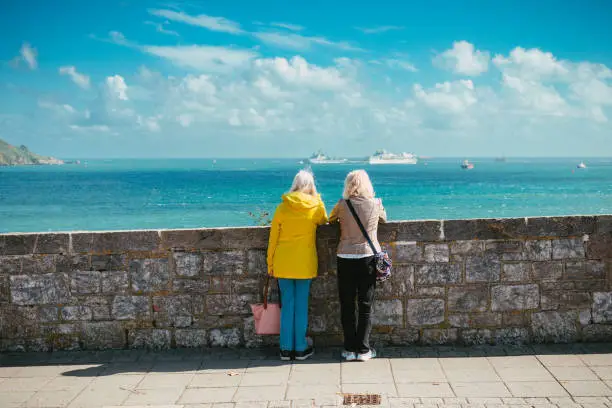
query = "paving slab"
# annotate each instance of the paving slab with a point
(156, 396)
(536, 389)
(433, 389)
(260, 393)
(587, 388)
(205, 395)
(480, 390)
(214, 381)
(562, 360)
(576, 373)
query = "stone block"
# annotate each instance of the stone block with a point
(516, 272)
(547, 271)
(590, 285)
(257, 263)
(438, 274)
(10, 265)
(561, 226)
(115, 282)
(511, 319)
(5, 289)
(419, 231)
(568, 248)
(248, 284)
(100, 307)
(319, 289)
(225, 337)
(70, 313)
(483, 268)
(401, 282)
(223, 263)
(406, 251)
(511, 336)
(540, 250)
(38, 264)
(468, 298)
(175, 311)
(115, 242)
(72, 263)
(555, 327)
(424, 312)
(602, 307)
(514, 297)
(103, 335)
(476, 337)
(581, 270)
(388, 313)
(482, 229)
(599, 246)
(43, 289)
(190, 286)
(86, 282)
(48, 314)
(475, 320)
(229, 304)
(502, 247)
(187, 264)
(216, 238)
(131, 308)
(439, 336)
(191, 338)
(469, 247)
(52, 243)
(429, 291)
(585, 317)
(117, 262)
(152, 339)
(597, 333)
(150, 275)
(436, 253)
(17, 244)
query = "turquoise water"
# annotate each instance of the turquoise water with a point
(189, 193)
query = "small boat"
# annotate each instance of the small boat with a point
(581, 166)
(466, 165)
(384, 157)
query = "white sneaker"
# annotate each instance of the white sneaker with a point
(367, 356)
(348, 355)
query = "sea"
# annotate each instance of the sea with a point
(123, 194)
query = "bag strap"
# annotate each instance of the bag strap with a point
(265, 294)
(361, 227)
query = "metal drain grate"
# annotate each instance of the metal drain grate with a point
(361, 399)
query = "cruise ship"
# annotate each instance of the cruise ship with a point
(384, 157)
(320, 158)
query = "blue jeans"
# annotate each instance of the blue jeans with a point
(294, 313)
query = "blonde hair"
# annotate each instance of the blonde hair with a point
(304, 183)
(357, 183)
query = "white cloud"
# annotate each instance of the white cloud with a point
(117, 87)
(79, 79)
(159, 27)
(292, 27)
(379, 29)
(201, 57)
(27, 55)
(463, 59)
(60, 109)
(532, 63)
(448, 97)
(92, 128)
(220, 24)
(297, 72)
(534, 96)
(400, 64)
(300, 42)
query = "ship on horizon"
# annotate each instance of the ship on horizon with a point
(384, 157)
(321, 158)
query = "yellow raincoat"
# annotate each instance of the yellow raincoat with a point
(292, 251)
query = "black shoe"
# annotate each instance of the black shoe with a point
(304, 355)
(285, 355)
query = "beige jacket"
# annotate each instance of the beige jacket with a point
(352, 241)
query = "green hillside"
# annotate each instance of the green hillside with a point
(15, 156)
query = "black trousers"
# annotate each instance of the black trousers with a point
(356, 281)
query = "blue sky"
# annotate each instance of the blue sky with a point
(268, 79)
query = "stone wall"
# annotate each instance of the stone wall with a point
(460, 281)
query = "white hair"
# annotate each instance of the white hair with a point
(358, 184)
(304, 183)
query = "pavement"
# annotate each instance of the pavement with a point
(567, 376)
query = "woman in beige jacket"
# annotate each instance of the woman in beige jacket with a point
(356, 268)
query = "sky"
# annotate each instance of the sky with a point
(271, 78)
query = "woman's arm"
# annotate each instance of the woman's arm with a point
(333, 217)
(321, 216)
(274, 233)
(382, 217)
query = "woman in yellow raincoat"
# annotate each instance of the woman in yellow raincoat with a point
(292, 258)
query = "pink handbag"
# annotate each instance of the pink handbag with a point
(267, 315)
